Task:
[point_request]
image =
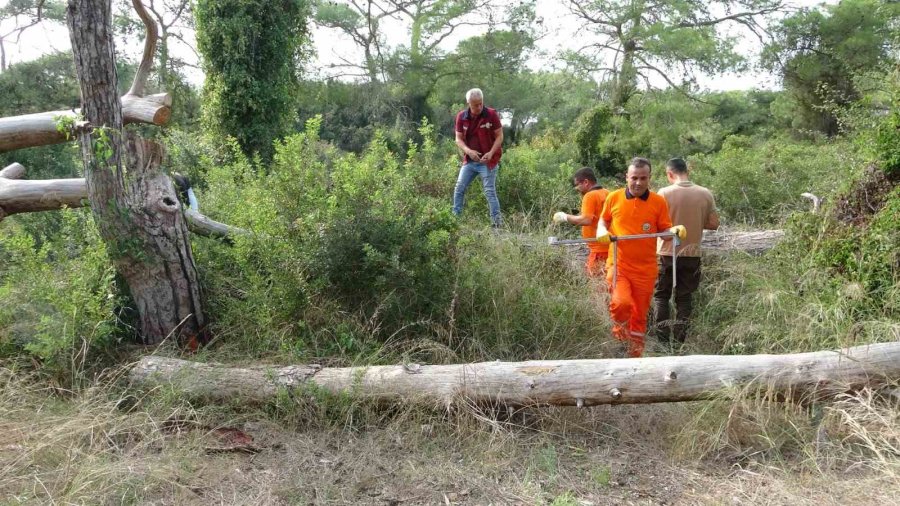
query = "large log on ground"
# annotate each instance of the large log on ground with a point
(30, 130)
(754, 242)
(714, 242)
(544, 382)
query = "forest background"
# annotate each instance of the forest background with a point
(344, 175)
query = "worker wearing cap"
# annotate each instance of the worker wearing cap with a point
(633, 210)
(694, 207)
(593, 196)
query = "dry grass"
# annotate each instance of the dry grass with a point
(100, 446)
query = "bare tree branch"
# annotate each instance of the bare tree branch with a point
(732, 17)
(140, 77)
(665, 76)
(578, 9)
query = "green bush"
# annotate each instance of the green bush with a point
(592, 132)
(535, 175)
(825, 285)
(58, 295)
(343, 232)
(887, 144)
(760, 183)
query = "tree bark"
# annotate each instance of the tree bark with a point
(544, 382)
(133, 201)
(31, 130)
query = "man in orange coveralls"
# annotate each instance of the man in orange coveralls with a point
(593, 197)
(630, 211)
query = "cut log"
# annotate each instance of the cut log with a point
(754, 242)
(23, 196)
(544, 382)
(30, 130)
(13, 171)
(718, 242)
(203, 225)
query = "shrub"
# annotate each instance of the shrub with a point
(826, 285)
(333, 233)
(591, 132)
(536, 174)
(761, 183)
(58, 295)
(887, 144)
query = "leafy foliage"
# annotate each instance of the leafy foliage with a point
(887, 143)
(666, 40)
(251, 51)
(822, 53)
(351, 113)
(593, 136)
(45, 84)
(346, 229)
(58, 294)
(758, 183)
(826, 285)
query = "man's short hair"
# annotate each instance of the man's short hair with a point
(677, 165)
(474, 93)
(584, 173)
(638, 162)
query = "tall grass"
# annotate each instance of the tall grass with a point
(752, 428)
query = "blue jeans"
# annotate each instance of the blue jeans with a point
(488, 183)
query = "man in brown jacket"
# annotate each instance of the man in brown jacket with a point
(694, 207)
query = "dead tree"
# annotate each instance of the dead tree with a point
(541, 382)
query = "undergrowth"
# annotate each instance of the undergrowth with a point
(356, 259)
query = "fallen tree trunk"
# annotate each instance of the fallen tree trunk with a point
(754, 242)
(544, 382)
(30, 130)
(24, 196)
(718, 242)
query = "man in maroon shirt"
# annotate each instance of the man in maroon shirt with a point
(479, 135)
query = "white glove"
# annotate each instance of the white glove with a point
(603, 235)
(560, 217)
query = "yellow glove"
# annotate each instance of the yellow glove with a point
(680, 231)
(603, 236)
(560, 217)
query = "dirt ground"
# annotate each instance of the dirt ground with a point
(597, 456)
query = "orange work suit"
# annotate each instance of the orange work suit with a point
(626, 214)
(592, 205)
